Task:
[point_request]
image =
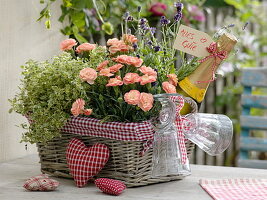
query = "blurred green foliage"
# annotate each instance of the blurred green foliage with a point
(86, 20)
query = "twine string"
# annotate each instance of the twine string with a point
(214, 53)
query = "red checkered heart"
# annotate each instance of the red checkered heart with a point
(110, 186)
(41, 183)
(85, 162)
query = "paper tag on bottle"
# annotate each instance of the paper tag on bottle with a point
(192, 41)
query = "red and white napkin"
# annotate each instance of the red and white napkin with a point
(236, 189)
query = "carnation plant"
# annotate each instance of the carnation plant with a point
(115, 82)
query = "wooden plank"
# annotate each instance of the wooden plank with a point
(254, 77)
(253, 122)
(255, 101)
(246, 110)
(253, 144)
(260, 164)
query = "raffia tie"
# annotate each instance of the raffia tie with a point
(214, 53)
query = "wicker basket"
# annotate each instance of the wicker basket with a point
(125, 163)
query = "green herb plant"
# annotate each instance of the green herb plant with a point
(46, 94)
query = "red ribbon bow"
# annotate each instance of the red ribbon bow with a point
(214, 53)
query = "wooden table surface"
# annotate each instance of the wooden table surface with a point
(14, 173)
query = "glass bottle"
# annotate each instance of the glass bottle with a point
(196, 84)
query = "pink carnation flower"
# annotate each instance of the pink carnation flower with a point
(148, 70)
(88, 74)
(78, 107)
(105, 72)
(115, 68)
(132, 97)
(102, 65)
(146, 101)
(115, 81)
(129, 39)
(85, 47)
(173, 79)
(131, 78)
(119, 46)
(88, 112)
(147, 79)
(112, 42)
(129, 60)
(168, 88)
(67, 44)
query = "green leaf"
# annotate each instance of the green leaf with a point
(67, 30)
(78, 19)
(64, 13)
(67, 3)
(238, 4)
(78, 36)
(48, 24)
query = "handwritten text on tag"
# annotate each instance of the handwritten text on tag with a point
(192, 41)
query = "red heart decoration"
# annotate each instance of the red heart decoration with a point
(41, 183)
(110, 186)
(85, 162)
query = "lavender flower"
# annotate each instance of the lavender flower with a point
(130, 18)
(230, 25)
(153, 84)
(164, 21)
(135, 46)
(156, 48)
(144, 27)
(245, 26)
(179, 6)
(153, 30)
(126, 14)
(178, 16)
(142, 21)
(149, 42)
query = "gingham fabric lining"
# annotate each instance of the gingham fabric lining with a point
(235, 189)
(142, 131)
(112, 130)
(179, 101)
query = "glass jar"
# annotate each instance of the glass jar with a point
(167, 156)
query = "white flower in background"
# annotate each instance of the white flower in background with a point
(226, 68)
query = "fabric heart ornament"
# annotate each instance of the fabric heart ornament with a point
(85, 162)
(110, 186)
(41, 183)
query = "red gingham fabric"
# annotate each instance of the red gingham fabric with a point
(110, 186)
(142, 131)
(85, 162)
(41, 183)
(236, 189)
(113, 130)
(179, 101)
